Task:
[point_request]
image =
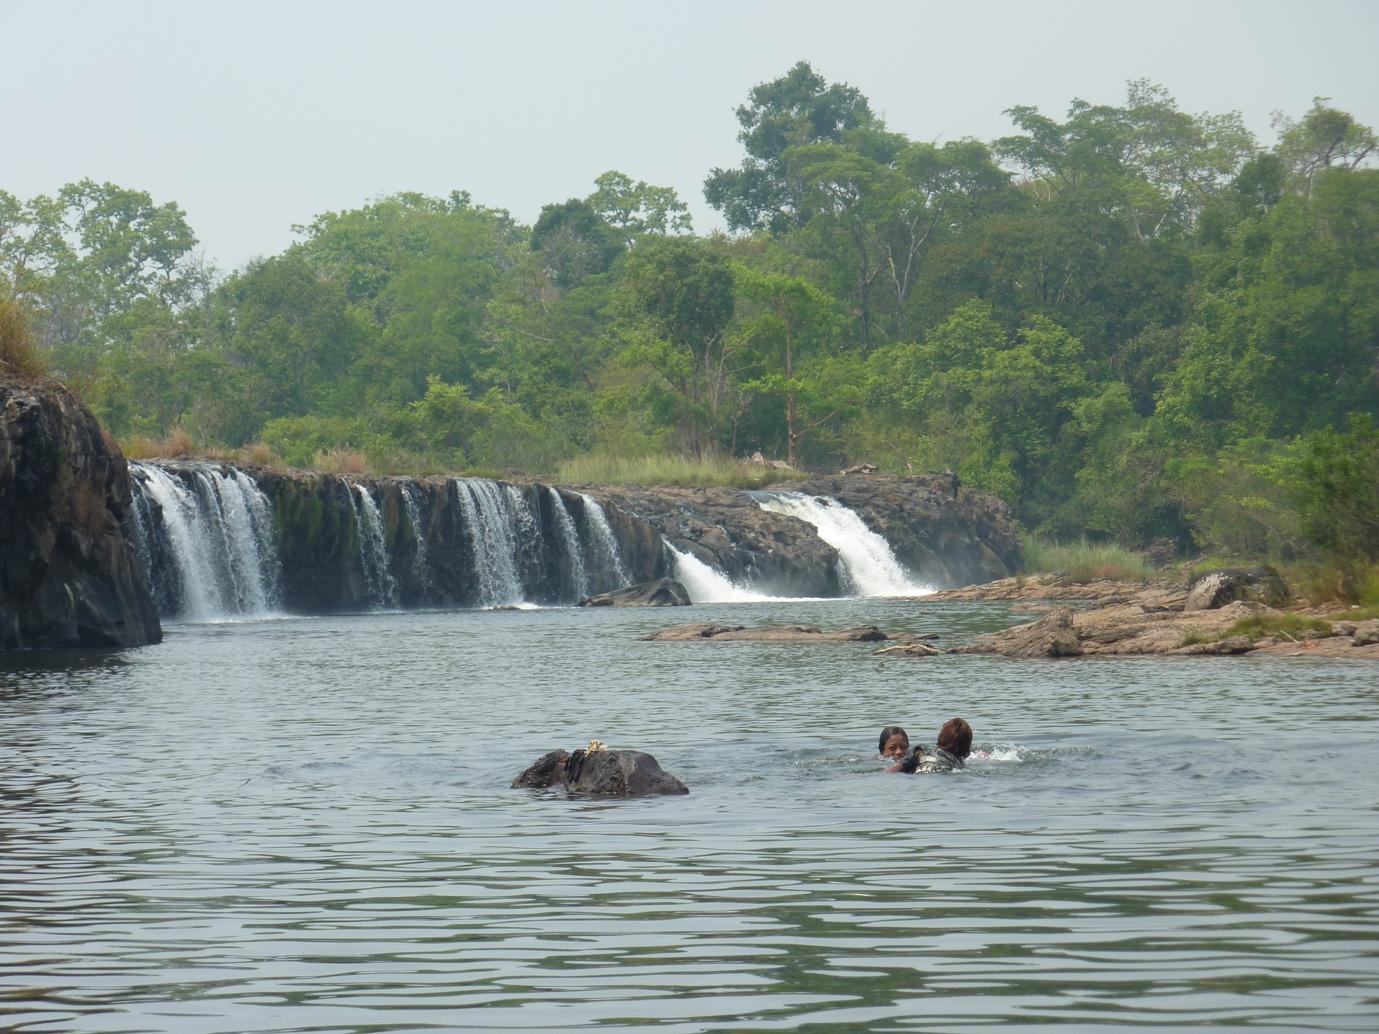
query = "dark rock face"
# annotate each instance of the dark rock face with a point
(605, 773)
(1214, 589)
(726, 529)
(434, 561)
(661, 592)
(944, 534)
(69, 571)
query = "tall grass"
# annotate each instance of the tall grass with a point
(18, 353)
(670, 469)
(1085, 561)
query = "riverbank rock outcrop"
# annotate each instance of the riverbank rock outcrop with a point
(70, 574)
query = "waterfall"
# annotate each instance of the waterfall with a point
(492, 530)
(207, 539)
(409, 503)
(870, 568)
(705, 585)
(379, 584)
(569, 540)
(605, 544)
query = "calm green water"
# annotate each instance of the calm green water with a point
(305, 825)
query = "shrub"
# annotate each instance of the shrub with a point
(670, 469)
(1257, 626)
(1085, 561)
(18, 353)
(341, 461)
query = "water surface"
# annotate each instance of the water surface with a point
(305, 825)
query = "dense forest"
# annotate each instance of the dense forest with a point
(1132, 323)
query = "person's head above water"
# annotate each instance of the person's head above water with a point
(894, 742)
(956, 737)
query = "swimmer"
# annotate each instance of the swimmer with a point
(894, 742)
(954, 745)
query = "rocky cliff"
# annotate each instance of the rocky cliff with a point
(69, 571)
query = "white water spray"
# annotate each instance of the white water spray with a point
(605, 543)
(569, 540)
(870, 566)
(210, 537)
(379, 584)
(413, 508)
(492, 534)
(705, 585)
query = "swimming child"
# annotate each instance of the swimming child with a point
(954, 745)
(894, 742)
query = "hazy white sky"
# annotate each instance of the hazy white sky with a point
(254, 116)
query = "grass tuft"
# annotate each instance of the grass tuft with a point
(178, 444)
(18, 353)
(670, 469)
(341, 461)
(1257, 626)
(1085, 561)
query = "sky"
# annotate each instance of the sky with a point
(257, 116)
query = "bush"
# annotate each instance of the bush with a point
(670, 469)
(1085, 561)
(18, 353)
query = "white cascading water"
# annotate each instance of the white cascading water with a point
(492, 531)
(413, 508)
(705, 585)
(379, 584)
(605, 543)
(870, 566)
(217, 541)
(569, 540)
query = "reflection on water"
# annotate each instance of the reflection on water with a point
(306, 825)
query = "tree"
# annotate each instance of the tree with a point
(792, 309)
(798, 108)
(684, 290)
(638, 208)
(1324, 138)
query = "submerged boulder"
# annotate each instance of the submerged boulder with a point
(659, 592)
(600, 772)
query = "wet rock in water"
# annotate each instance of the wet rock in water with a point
(1215, 589)
(1051, 636)
(603, 773)
(702, 631)
(910, 650)
(659, 592)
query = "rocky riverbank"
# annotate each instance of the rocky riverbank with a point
(1110, 618)
(69, 571)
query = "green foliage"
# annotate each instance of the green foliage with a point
(1131, 322)
(1288, 625)
(1083, 561)
(671, 469)
(1335, 481)
(18, 354)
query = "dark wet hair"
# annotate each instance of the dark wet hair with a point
(887, 733)
(910, 763)
(956, 737)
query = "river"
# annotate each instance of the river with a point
(305, 825)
